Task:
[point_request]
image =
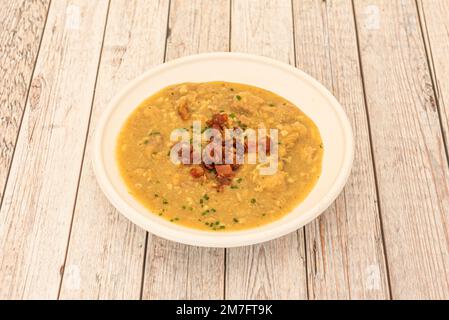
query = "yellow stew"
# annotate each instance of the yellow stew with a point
(216, 196)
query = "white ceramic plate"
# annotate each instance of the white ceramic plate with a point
(280, 78)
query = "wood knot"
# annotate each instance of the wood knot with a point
(36, 91)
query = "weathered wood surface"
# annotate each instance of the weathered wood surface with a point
(38, 202)
(174, 270)
(107, 261)
(275, 269)
(409, 157)
(386, 236)
(22, 25)
(435, 27)
(345, 256)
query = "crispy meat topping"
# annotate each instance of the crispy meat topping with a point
(197, 172)
(214, 166)
(183, 110)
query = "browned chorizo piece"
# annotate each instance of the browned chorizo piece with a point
(183, 110)
(197, 172)
(224, 170)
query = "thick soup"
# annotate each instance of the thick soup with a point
(213, 195)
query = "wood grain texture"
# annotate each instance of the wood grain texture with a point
(172, 270)
(410, 162)
(22, 25)
(38, 202)
(60, 237)
(276, 269)
(106, 251)
(345, 256)
(435, 26)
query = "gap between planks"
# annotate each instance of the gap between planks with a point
(84, 149)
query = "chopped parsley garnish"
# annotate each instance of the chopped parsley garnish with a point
(205, 212)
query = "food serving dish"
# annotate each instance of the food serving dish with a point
(282, 79)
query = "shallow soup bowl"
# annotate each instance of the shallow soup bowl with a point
(288, 82)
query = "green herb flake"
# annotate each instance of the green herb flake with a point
(234, 187)
(164, 201)
(155, 133)
(238, 97)
(239, 180)
(206, 197)
(253, 200)
(236, 220)
(213, 210)
(232, 115)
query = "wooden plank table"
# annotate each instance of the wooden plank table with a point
(385, 237)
